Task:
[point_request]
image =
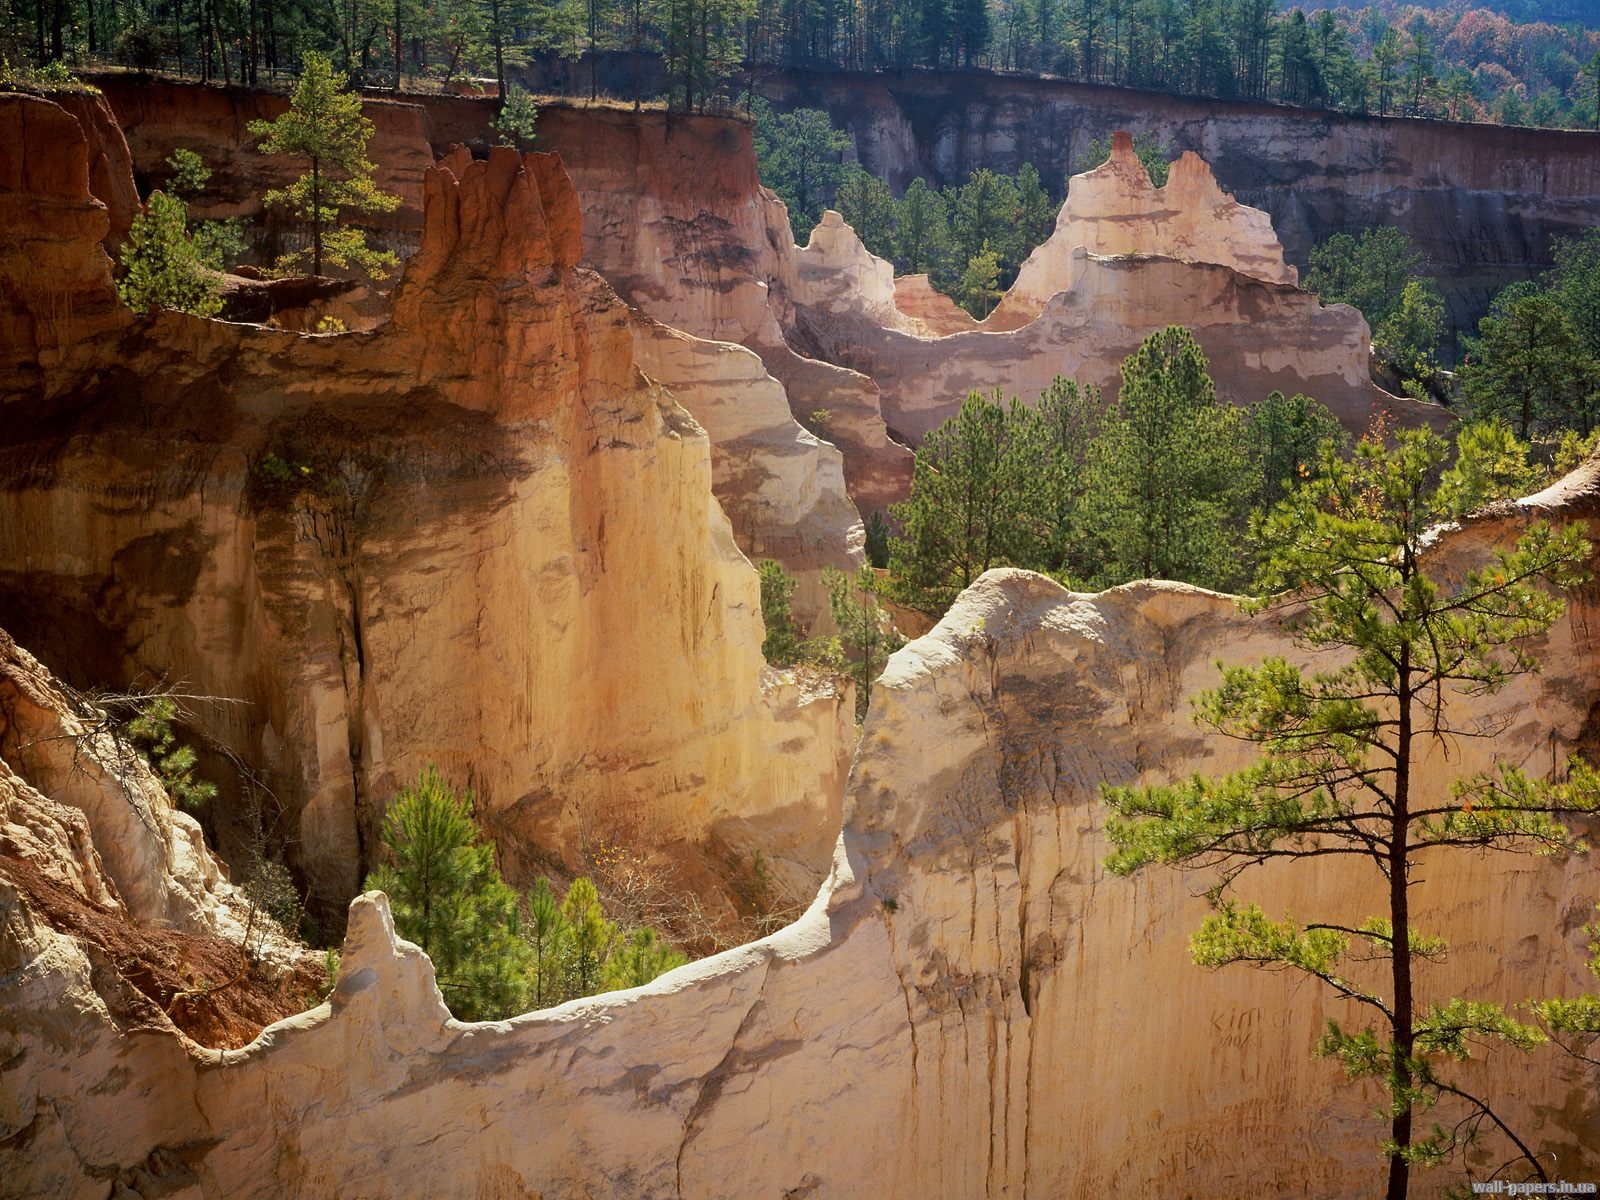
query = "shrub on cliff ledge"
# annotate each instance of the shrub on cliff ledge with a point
(162, 267)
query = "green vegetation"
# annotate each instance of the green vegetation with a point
(783, 645)
(858, 651)
(517, 122)
(1378, 272)
(1455, 61)
(1160, 483)
(324, 126)
(163, 267)
(801, 157)
(1536, 360)
(867, 637)
(1170, 467)
(970, 239)
(1339, 772)
(495, 953)
(150, 730)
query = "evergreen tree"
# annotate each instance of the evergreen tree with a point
(971, 492)
(589, 938)
(1575, 282)
(978, 290)
(1170, 471)
(447, 897)
(546, 935)
(801, 159)
(922, 235)
(868, 207)
(1369, 272)
(1339, 772)
(782, 646)
(640, 957)
(1285, 438)
(866, 633)
(1526, 365)
(325, 127)
(1068, 423)
(162, 267)
(1408, 338)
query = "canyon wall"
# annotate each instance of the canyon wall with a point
(1482, 202)
(677, 248)
(677, 220)
(971, 1007)
(479, 537)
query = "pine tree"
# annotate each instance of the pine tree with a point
(1170, 470)
(972, 489)
(866, 633)
(325, 127)
(447, 897)
(546, 933)
(1526, 364)
(782, 645)
(1339, 768)
(589, 938)
(1285, 438)
(162, 267)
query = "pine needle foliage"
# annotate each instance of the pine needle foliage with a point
(324, 127)
(496, 953)
(162, 267)
(1348, 564)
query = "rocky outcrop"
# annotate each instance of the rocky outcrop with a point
(931, 313)
(55, 276)
(971, 1007)
(405, 547)
(1258, 337)
(782, 488)
(676, 219)
(1483, 202)
(1115, 210)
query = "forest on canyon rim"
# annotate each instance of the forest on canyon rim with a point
(1158, 475)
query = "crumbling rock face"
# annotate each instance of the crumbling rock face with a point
(782, 488)
(1257, 337)
(478, 538)
(931, 313)
(971, 1007)
(1116, 210)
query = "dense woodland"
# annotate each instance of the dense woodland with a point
(1451, 61)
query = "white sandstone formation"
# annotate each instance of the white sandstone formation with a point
(1116, 210)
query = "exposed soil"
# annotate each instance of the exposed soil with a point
(148, 977)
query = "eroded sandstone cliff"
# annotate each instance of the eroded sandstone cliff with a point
(1483, 202)
(1126, 259)
(971, 1007)
(479, 537)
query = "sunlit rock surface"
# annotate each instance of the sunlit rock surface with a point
(478, 538)
(972, 1006)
